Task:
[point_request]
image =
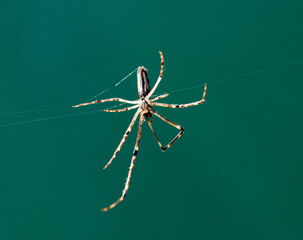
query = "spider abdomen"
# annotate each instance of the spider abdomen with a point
(143, 82)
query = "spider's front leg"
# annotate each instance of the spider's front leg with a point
(159, 78)
(107, 100)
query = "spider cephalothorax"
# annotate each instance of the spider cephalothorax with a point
(145, 109)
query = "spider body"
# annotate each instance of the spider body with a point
(143, 82)
(145, 109)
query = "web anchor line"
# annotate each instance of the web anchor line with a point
(66, 107)
(241, 75)
(106, 90)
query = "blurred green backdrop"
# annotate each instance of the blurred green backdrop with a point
(236, 173)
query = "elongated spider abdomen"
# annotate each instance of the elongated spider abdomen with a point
(143, 82)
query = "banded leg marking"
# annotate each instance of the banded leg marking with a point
(182, 105)
(159, 97)
(123, 139)
(171, 123)
(151, 128)
(159, 78)
(107, 100)
(131, 167)
(121, 110)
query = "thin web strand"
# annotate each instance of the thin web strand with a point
(240, 75)
(34, 111)
(66, 107)
(106, 90)
(48, 118)
(57, 117)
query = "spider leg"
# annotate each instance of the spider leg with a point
(171, 123)
(159, 97)
(151, 128)
(121, 110)
(131, 167)
(182, 105)
(124, 138)
(107, 100)
(159, 78)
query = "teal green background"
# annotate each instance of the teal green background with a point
(236, 173)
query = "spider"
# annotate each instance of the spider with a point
(145, 109)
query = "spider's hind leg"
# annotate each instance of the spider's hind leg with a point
(171, 123)
(124, 138)
(131, 167)
(151, 128)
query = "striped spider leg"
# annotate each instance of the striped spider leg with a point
(124, 136)
(107, 100)
(145, 109)
(182, 105)
(170, 122)
(131, 167)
